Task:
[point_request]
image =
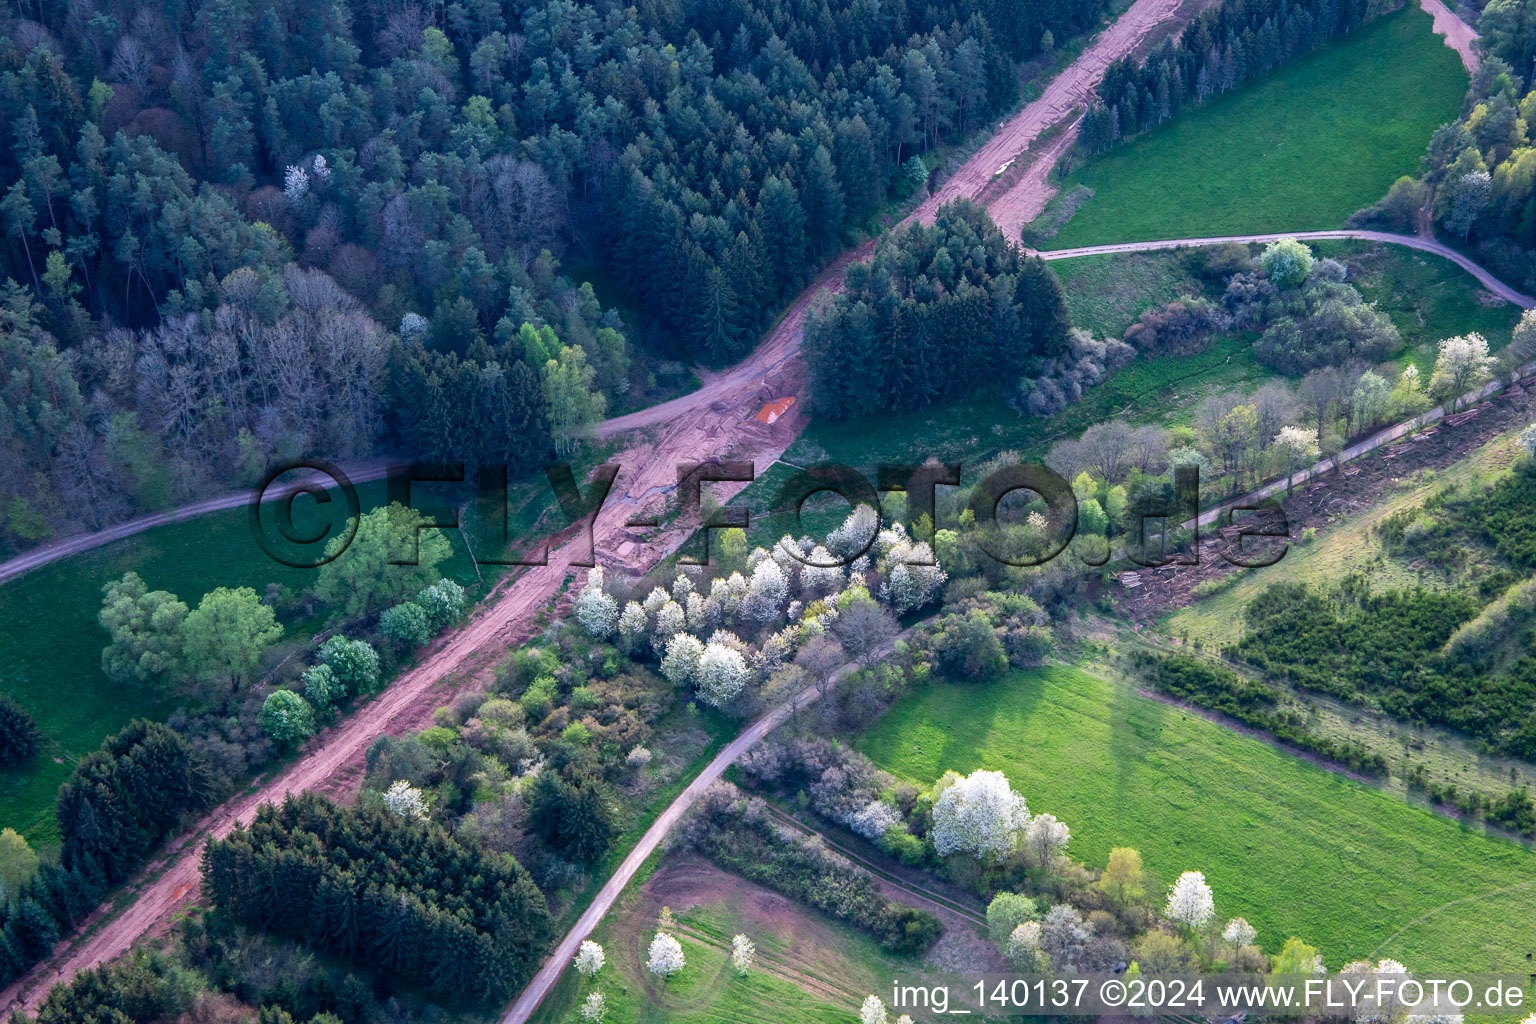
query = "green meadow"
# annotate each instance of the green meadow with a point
(1302, 149)
(1295, 849)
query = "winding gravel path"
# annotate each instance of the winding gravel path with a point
(542, 982)
(1484, 278)
(704, 420)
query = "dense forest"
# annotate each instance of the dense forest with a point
(243, 231)
(934, 311)
(123, 799)
(1480, 170)
(1225, 47)
(400, 894)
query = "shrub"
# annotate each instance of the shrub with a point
(966, 647)
(1286, 262)
(321, 687)
(736, 833)
(1182, 327)
(1253, 703)
(287, 718)
(1333, 330)
(406, 625)
(443, 602)
(19, 735)
(354, 662)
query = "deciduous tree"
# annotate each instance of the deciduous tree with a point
(979, 814)
(226, 635)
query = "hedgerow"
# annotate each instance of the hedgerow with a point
(736, 833)
(1253, 703)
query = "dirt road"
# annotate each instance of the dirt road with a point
(1484, 278)
(712, 421)
(1061, 98)
(1459, 36)
(1364, 446)
(53, 551)
(542, 982)
(715, 420)
(1067, 92)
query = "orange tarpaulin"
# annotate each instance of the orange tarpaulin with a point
(773, 410)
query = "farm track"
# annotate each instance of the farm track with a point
(712, 420)
(715, 419)
(1419, 242)
(916, 892)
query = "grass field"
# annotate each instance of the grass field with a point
(810, 969)
(50, 642)
(1344, 547)
(1428, 298)
(1291, 847)
(1301, 149)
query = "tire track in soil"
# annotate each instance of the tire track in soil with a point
(714, 420)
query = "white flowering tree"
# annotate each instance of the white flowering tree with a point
(823, 575)
(593, 1008)
(665, 957)
(1239, 932)
(589, 959)
(856, 534)
(597, 612)
(767, 592)
(1462, 365)
(655, 599)
(874, 819)
(295, 184)
(681, 662)
(1023, 950)
(720, 674)
(413, 325)
(700, 612)
(670, 621)
(873, 1010)
(1295, 446)
(727, 594)
(979, 814)
(633, 623)
(1190, 901)
(743, 954)
(1045, 837)
(405, 800)
(913, 576)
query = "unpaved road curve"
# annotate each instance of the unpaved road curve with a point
(712, 420)
(52, 552)
(543, 981)
(1484, 278)
(698, 425)
(1066, 93)
(1459, 36)
(715, 419)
